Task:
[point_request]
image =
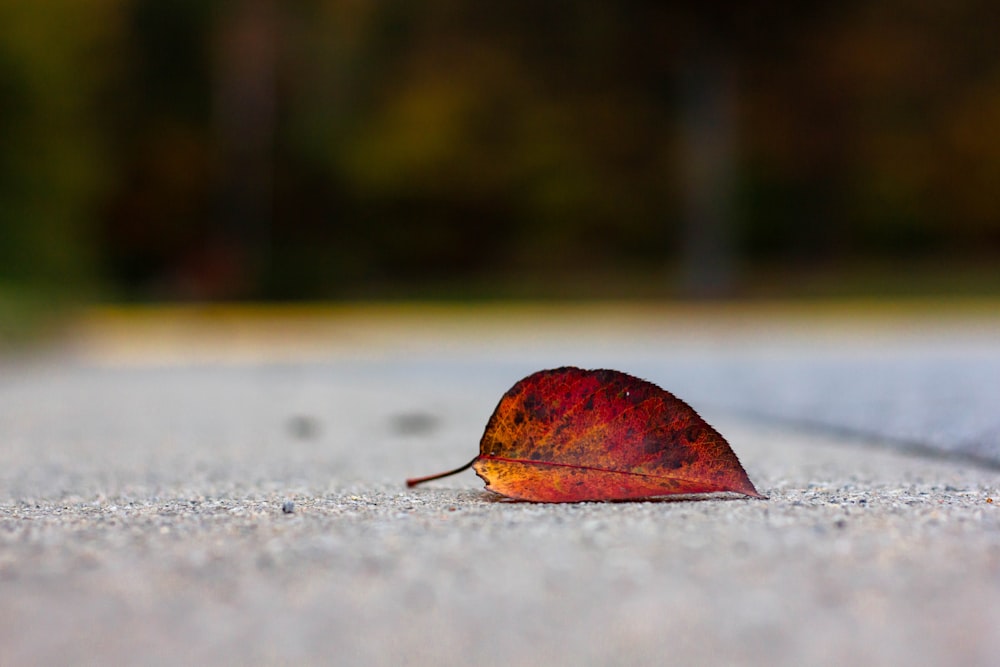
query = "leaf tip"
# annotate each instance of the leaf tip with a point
(747, 488)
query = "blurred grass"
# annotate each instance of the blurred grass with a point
(33, 316)
(880, 279)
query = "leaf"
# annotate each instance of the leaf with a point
(569, 435)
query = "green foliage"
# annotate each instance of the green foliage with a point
(53, 62)
(400, 144)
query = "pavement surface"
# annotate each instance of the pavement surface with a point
(226, 488)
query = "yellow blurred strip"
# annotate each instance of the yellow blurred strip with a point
(238, 333)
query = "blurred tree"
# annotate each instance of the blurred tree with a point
(480, 137)
(560, 135)
(247, 41)
(878, 136)
(331, 148)
(55, 63)
(160, 216)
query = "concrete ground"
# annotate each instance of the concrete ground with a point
(224, 488)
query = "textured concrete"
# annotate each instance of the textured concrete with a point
(187, 501)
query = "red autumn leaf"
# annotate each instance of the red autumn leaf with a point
(568, 435)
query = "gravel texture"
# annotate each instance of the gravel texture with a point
(158, 510)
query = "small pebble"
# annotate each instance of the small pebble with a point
(288, 507)
(303, 427)
(414, 423)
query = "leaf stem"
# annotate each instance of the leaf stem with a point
(420, 480)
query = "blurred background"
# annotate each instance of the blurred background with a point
(259, 150)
